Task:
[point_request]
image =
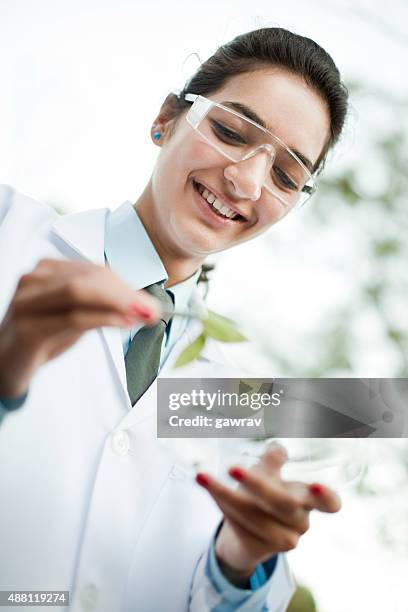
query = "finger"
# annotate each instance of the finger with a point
(281, 539)
(241, 508)
(274, 458)
(271, 461)
(288, 506)
(75, 278)
(289, 500)
(251, 519)
(49, 265)
(324, 498)
(87, 294)
(56, 268)
(50, 327)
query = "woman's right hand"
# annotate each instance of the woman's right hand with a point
(53, 306)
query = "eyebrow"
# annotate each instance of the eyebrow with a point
(251, 114)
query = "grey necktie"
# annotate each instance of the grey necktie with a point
(142, 360)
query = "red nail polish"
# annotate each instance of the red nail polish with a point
(203, 480)
(237, 473)
(142, 312)
(316, 489)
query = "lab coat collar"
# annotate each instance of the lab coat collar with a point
(84, 232)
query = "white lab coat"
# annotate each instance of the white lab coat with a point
(91, 501)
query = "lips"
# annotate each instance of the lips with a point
(199, 187)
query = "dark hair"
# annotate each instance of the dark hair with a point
(277, 47)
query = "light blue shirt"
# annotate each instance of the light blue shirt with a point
(233, 598)
(130, 253)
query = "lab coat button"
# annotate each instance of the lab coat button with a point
(89, 597)
(120, 443)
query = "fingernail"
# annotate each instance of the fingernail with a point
(203, 480)
(140, 311)
(316, 489)
(237, 473)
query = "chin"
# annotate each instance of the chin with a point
(187, 237)
(200, 242)
(196, 247)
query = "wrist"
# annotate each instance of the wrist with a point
(239, 577)
(236, 569)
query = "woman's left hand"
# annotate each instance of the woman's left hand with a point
(264, 516)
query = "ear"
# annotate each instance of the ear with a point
(163, 124)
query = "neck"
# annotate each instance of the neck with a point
(179, 266)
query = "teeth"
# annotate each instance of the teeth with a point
(211, 199)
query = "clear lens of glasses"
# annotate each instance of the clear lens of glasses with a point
(238, 139)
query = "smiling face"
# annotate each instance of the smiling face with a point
(174, 207)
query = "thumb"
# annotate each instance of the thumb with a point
(273, 458)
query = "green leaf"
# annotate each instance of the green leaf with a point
(217, 327)
(221, 328)
(191, 352)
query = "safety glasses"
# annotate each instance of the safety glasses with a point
(238, 138)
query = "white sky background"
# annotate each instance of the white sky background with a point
(82, 82)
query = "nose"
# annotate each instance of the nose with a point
(248, 175)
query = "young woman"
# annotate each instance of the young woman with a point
(94, 504)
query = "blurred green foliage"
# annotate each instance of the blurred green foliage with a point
(375, 184)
